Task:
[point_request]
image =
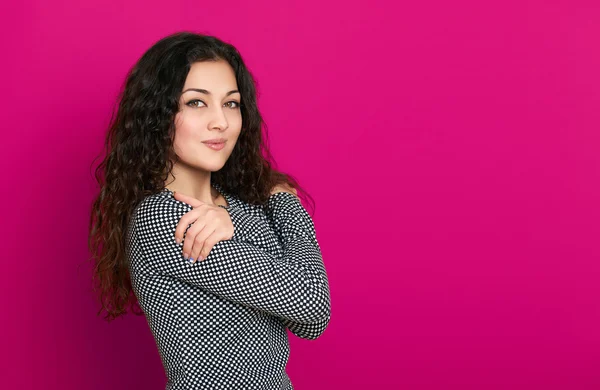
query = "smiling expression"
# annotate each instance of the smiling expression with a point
(209, 114)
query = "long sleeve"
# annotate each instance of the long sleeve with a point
(304, 227)
(293, 287)
(307, 331)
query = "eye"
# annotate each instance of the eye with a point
(193, 103)
(236, 104)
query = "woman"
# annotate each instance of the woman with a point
(194, 224)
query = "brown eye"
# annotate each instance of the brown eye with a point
(194, 103)
(235, 104)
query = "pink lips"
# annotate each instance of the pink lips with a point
(215, 144)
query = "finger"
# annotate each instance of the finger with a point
(185, 221)
(199, 242)
(210, 242)
(190, 237)
(187, 199)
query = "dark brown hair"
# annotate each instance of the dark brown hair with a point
(139, 151)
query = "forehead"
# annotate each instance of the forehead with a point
(214, 76)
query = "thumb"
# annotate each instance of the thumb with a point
(187, 199)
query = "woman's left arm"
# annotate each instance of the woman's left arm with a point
(309, 331)
(292, 286)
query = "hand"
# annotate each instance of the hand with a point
(284, 188)
(210, 224)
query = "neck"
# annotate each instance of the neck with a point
(192, 182)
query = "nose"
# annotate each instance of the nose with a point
(218, 120)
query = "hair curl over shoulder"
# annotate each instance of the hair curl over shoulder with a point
(139, 154)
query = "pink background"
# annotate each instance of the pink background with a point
(451, 147)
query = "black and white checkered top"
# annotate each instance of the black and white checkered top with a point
(221, 323)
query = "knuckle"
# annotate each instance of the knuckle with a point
(196, 251)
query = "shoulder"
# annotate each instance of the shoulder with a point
(283, 201)
(159, 210)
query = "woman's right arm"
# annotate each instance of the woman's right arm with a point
(293, 286)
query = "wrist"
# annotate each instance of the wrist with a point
(243, 224)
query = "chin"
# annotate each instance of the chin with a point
(211, 167)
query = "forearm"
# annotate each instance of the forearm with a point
(292, 286)
(290, 220)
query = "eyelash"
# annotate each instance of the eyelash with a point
(190, 103)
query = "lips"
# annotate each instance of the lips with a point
(215, 141)
(214, 145)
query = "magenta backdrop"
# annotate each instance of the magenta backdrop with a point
(451, 148)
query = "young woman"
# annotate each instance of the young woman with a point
(194, 225)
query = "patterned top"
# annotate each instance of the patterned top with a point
(221, 323)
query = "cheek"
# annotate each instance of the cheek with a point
(234, 117)
(185, 129)
(235, 123)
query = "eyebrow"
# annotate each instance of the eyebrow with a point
(204, 91)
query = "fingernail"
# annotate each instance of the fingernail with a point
(191, 259)
(200, 258)
(185, 255)
(178, 240)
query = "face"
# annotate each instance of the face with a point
(209, 121)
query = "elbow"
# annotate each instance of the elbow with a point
(310, 331)
(320, 310)
(319, 329)
(311, 324)
(314, 306)
(323, 309)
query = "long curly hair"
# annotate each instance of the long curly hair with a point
(139, 155)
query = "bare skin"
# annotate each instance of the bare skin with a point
(210, 224)
(209, 110)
